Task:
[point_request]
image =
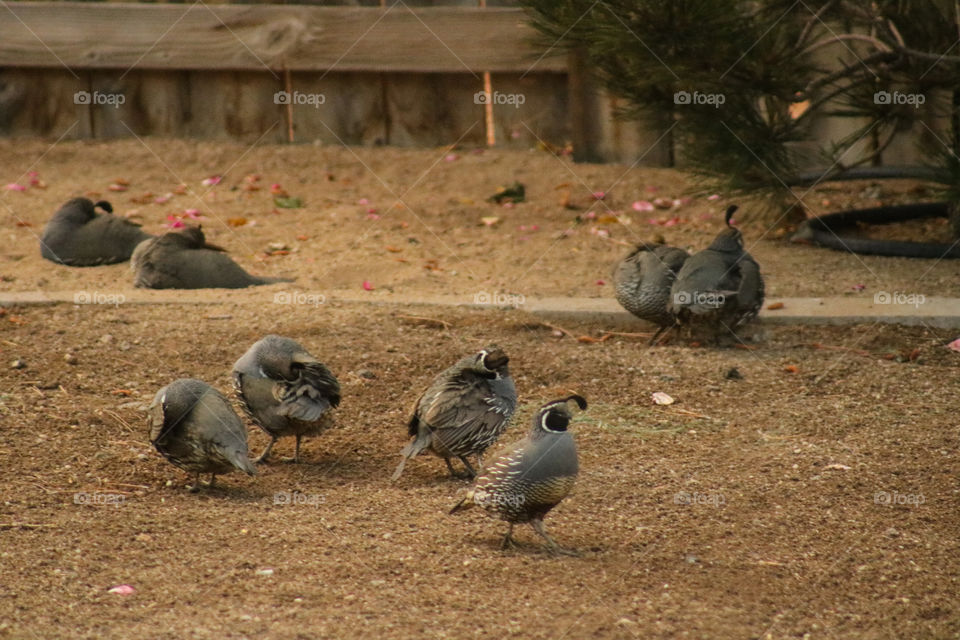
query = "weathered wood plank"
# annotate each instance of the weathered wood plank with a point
(80, 35)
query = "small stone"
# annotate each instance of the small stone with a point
(71, 359)
(264, 572)
(733, 374)
(893, 533)
(367, 374)
(105, 338)
(18, 364)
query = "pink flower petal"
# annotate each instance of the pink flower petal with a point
(451, 157)
(671, 222)
(599, 195)
(373, 216)
(713, 197)
(192, 213)
(643, 205)
(590, 215)
(653, 189)
(363, 201)
(162, 199)
(13, 186)
(601, 282)
(859, 287)
(33, 174)
(955, 345)
(372, 210)
(508, 205)
(367, 286)
(122, 589)
(211, 181)
(654, 221)
(534, 227)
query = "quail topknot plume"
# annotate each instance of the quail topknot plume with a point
(78, 236)
(531, 477)
(643, 279)
(463, 411)
(285, 390)
(194, 427)
(719, 288)
(184, 260)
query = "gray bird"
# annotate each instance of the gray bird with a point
(531, 477)
(643, 279)
(184, 260)
(78, 236)
(466, 408)
(285, 390)
(719, 288)
(194, 427)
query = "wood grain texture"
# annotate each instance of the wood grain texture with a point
(269, 38)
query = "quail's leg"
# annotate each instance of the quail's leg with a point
(213, 479)
(508, 540)
(266, 452)
(454, 472)
(551, 543)
(663, 331)
(196, 483)
(296, 450)
(471, 472)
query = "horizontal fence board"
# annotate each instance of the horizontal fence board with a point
(80, 35)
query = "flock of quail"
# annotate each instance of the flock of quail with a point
(286, 391)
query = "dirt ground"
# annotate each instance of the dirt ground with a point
(816, 496)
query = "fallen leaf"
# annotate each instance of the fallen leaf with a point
(122, 589)
(393, 249)
(659, 397)
(287, 202)
(117, 187)
(367, 286)
(237, 222)
(773, 306)
(24, 223)
(303, 237)
(490, 220)
(180, 189)
(791, 368)
(122, 392)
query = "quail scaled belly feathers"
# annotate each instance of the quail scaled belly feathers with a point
(285, 390)
(528, 479)
(719, 288)
(78, 236)
(194, 427)
(466, 408)
(184, 260)
(642, 282)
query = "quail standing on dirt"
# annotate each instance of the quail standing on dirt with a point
(285, 390)
(466, 408)
(194, 427)
(719, 288)
(643, 281)
(528, 479)
(78, 236)
(184, 260)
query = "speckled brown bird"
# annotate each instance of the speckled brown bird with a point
(463, 412)
(194, 427)
(528, 479)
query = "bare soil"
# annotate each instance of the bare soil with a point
(815, 496)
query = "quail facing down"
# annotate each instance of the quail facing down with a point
(719, 288)
(285, 390)
(194, 427)
(184, 260)
(531, 477)
(463, 411)
(643, 279)
(78, 236)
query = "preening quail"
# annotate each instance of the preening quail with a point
(463, 411)
(531, 477)
(78, 236)
(720, 287)
(194, 427)
(643, 279)
(184, 260)
(285, 390)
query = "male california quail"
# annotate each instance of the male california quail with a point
(720, 287)
(184, 260)
(78, 236)
(193, 426)
(642, 281)
(285, 390)
(463, 411)
(528, 479)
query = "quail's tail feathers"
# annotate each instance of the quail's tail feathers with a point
(243, 463)
(413, 449)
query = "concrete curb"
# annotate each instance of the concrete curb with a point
(941, 313)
